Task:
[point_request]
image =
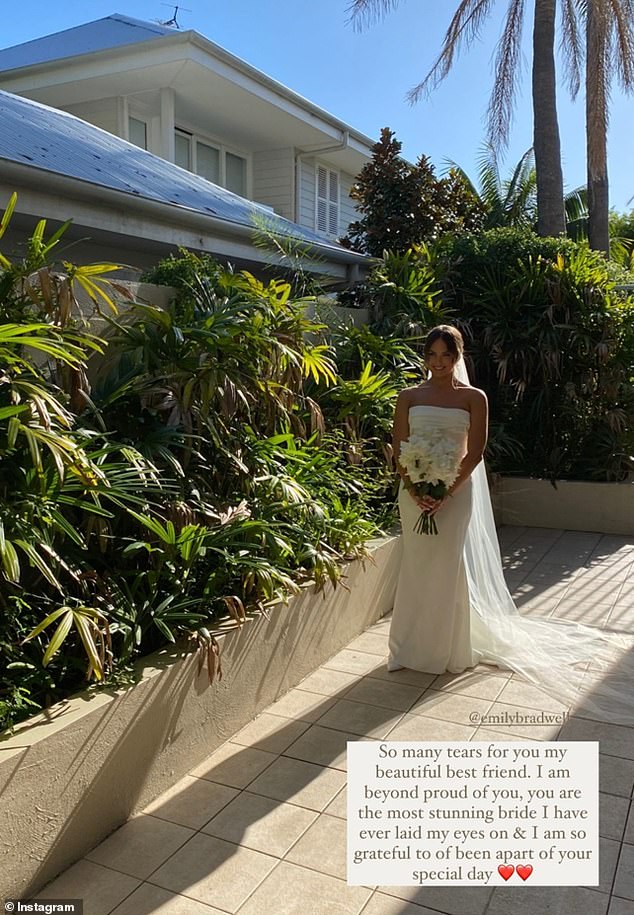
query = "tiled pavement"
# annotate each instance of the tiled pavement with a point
(259, 828)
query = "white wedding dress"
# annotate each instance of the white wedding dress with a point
(431, 621)
(453, 610)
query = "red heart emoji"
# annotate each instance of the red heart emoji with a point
(505, 870)
(525, 870)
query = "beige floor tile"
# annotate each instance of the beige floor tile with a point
(547, 900)
(354, 662)
(454, 900)
(608, 858)
(460, 709)
(483, 682)
(600, 572)
(100, 888)
(498, 737)
(607, 591)
(338, 807)
(322, 746)
(382, 626)
(322, 847)
(621, 906)
(294, 890)
(624, 883)
(299, 782)
(582, 611)
(301, 704)
(360, 718)
(371, 643)
(616, 775)
(629, 831)
(613, 739)
(261, 823)
(621, 619)
(329, 682)
(418, 727)
(191, 802)
(613, 815)
(234, 765)
(404, 676)
(214, 872)
(527, 695)
(504, 717)
(140, 845)
(381, 904)
(152, 900)
(270, 732)
(373, 691)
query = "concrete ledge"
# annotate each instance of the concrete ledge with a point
(572, 506)
(71, 776)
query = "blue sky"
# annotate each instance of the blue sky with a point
(363, 77)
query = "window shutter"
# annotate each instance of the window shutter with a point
(333, 204)
(327, 219)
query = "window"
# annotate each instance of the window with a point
(183, 149)
(137, 132)
(208, 162)
(327, 209)
(236, 174)
(213, 162)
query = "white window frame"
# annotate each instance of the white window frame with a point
(330, 171)
(223, 149)
(132, 115)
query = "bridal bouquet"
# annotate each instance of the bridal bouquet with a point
(432, 464)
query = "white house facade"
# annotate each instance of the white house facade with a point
(189, 101)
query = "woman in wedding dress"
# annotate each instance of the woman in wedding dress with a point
(452, 608)
(430, 624)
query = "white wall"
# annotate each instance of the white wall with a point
(273, 177)
(102, 113)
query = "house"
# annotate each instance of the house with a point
(180, 97)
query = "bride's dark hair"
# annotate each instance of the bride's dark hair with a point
(450, 336)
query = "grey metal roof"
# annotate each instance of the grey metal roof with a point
(45, 138)
(110, 32)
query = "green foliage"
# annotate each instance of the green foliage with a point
(402, 205)
(216, 445)
(551, 341)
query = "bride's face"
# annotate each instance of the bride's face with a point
(440, 361)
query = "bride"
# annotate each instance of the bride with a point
(452, 608)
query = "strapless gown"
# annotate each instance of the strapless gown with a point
(432, 627)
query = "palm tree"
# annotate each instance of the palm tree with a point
(465, 27)
(609, 26)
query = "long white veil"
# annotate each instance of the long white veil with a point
(578, 664)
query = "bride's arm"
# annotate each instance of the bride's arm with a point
(400, 432)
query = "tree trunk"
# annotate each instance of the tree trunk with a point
(551, 219)
(597, 126)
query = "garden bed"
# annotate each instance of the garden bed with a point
(72, 775)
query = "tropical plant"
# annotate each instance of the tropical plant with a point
(193, 437)
(549, 341)
(465, 27)
(512, 202)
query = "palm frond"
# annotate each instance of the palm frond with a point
(464, 28)
(506, 76)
